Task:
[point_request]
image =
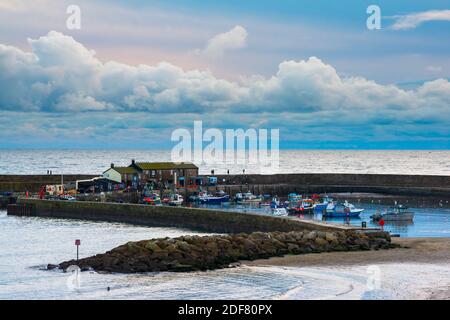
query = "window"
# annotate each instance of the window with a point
(153, 173)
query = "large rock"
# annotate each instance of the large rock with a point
(189, 253)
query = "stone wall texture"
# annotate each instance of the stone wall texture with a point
(207, 220)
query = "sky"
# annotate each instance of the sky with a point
(137, 70)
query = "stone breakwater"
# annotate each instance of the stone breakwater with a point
(194, 253)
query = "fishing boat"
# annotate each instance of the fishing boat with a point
(397, 213)
(342, 210)
(276, 203)
(279, 212)
(322, 206)
(294, 199)
(304, 207)
(206, 198)
(247, 197)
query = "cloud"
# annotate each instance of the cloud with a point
(235, 38)
(61, 75)
(414, 20)
(61, 89)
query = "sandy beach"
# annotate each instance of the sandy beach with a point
(426, 252)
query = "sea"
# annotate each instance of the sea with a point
(30, 243)
(290, 161)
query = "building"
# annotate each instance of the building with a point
(99, 184)
(180, 174)
(129, 176)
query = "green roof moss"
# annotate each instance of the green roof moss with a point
(165, 165)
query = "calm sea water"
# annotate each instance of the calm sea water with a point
(28, 244)
(291, 161)
(428, 222)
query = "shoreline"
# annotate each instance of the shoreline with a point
(418, 250)
(426, 252)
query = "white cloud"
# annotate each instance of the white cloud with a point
(413, 20)
(235, 38)
(61, 75)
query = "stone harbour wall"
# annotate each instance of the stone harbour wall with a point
(207, 220)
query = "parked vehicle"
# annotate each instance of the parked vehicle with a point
(67, 197)
(153, 200)
(176, 200)
(397, 213)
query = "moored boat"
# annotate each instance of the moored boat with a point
(205, 198)
(397, 213)
(247, 197)
(322, 206)
(342, 210)
(304, 207)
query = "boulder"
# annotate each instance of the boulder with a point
(191, 253)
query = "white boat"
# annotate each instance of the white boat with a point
(279, 212)
(247, 197)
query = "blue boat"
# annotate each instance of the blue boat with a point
(205, 198)
(342, 210)
(322, 206)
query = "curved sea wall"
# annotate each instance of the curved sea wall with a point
(282, 184)
(193, 253)
(208, 220)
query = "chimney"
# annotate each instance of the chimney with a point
(132, 161)
(112, 165)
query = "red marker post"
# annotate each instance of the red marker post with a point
(77, 243)
(381, 223)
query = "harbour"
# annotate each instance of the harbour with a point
(214, 204)
(318, 276)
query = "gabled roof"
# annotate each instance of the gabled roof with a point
(165, 165)
(123, 170)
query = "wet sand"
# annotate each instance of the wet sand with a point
(414, 250)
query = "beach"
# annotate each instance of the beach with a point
(418, 258)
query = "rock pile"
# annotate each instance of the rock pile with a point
(191, 253)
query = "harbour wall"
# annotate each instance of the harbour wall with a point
(206, 220)
(32, 183)
(282, 184)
